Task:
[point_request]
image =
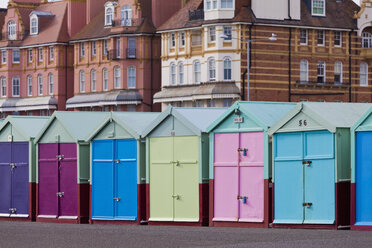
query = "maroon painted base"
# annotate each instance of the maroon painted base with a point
(267, 209)
(305, 226)
(203, 209)
(141, 209)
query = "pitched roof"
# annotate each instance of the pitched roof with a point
(339, 15)
(28, 126)
(2, 17)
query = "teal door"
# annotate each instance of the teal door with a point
(304, 178)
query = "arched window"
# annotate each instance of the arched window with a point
(321, 72)
(50, 84)
(366, 40)
(304, 71)
(172, 73)
(12, 30)
(34, 25)
(363, 74)
(3, 86)
(29, 85)
(227, 68)
(82, 81)
(117, 77)
(338, 72)
(104, 79)
(93, 80)
(197, 71)
(40, 84)
(109, 16)
(126, 16)
(131, 76)
(181, 78)
(211, 69)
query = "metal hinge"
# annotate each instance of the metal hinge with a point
(307, 204)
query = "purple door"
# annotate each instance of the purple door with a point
(48, 180)
(68, 180)
(5, 178)
(20, 194)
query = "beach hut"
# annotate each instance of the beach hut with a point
(311, 149)
(361, 173)
(177, 166)
(63, 166)
(17, 166)
(240, 159)
(118, 169)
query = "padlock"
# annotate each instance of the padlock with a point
(244, 200)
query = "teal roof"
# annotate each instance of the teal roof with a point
(364, 123)
(78, 124)
(266, 114)
(197, 119)
(28, 126)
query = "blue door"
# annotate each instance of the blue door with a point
(363, 178)
(304, 178)
(114, 179)
(5, 178)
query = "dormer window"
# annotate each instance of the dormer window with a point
(211, 4)
(126, 16)
(226, 4)
(318, 7)
(12, 30)
(34, 25)
(109, 13)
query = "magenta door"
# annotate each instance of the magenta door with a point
(239, 177)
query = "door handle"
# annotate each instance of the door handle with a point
(243, 198)
(244, 150)
(13, 165)
(60, 157)
(307, 163)
(177, 163)
(12, 210)
(60, 194)
(117, 161)
(117, 199)
(176, 196)
(307, 204)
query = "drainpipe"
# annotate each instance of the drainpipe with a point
(289, 65)
(250, 52)
(350, 65)
(66, 70)
(151, 69)
(243, 86)
(289, 10)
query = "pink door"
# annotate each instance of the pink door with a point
(239, 177)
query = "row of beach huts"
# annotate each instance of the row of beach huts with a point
(255, 164)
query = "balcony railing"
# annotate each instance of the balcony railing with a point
(321, 84)
(113, 55)
(16, 36)
(197, 14)
(131, 22)
(131, 53)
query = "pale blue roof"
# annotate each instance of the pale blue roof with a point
(28, 126)
(136, 121)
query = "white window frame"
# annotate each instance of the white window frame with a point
(3, 86)
(228, 30)
(197, 71)
(82, 49)
(105, 79)
(363, 74)
(172, 40)
(132, 77)
(94, 48)
(29, 55)
(182, 39)
(227, 4)
(337, 37)
(320, 35)
(315, 4)
(51, 53)
(50, 83)
(16, 55)
(212, 34)
(227, 69)
(181, 73)
(29, 85)
(41, 54)
(105, 47)
(126, 15)
(93, 80)
(173, 74)
(109, 16)
(16, 88)
(366, 40)
(12, 30)
(117, 77)
(338, 69)
(40, 85)
(304, 71)
(212, 69)
(82, 81)
(34, 25)
(321, 71)
(3, 56)
(118, 47)
(303, 35)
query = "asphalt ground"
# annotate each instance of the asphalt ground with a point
(25, 234)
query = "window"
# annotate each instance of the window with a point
(228, 32)
(211, 69)
(34, 26)
(50, 84)
(12, 30)
(94, 48)
(366, 40)
(212, 34)
(3, 86)
(196, 38)
(321, 72)
(126, 16)
(82, 50)
(117, 77)
(227, 103)
(180, 73)
(109, 16)
(227, 69)
(131, 108)
(209, 4)
(211, 103)
(226, 4)
(82, 81)
(303, 37)
(118, 44)
(131, 76)
(16, 84)
(338, 72)
(197, 72)
(51, 53)
(173, 40)
(105, 79)
(172, 73)
(41, 54)
(338, 39)
(363, 74)
(29, 55)
(93, 80)
(105, 47)
(131, 47)
(29, 85)
(182, 39)
(198, 104)
(304, 71)
(40, 84)
(320, 40)
(16, 55)
(318, 7)
(3, 56)
(214, 4)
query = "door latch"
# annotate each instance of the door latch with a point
(60, 157)
(117, 199)
(307, 204)
(177, 163)
(244, 150)
(13, 165)
(117, 161)
(177, 197)
(60, 194)
(243, 198)
(12, 210)
(307, 163)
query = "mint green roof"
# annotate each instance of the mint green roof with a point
(78, 124)
(28, 126)
(197, 119)
(266, 114)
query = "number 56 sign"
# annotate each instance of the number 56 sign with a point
(302, 123)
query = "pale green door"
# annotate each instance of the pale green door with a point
(161, 179)
(186, 179)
